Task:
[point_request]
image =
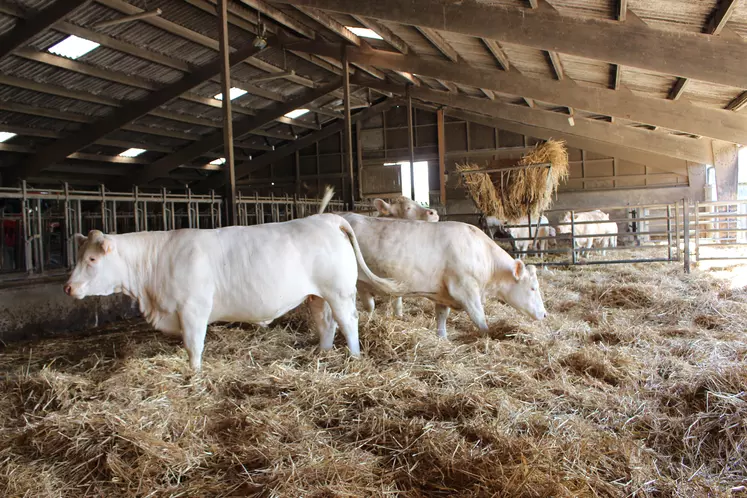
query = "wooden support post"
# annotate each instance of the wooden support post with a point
(442, 154)
(410, 143)
(348, 134)
(225, 83)
(297, 155)
(359, 157)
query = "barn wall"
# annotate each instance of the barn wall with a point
(36, 308)
(595, 179)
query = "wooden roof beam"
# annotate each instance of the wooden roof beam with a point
(163, 166)
(387, 34)
(438, 41)
(247, 168)
(26, 30)
(691, 55)
(682, 148)
(679, 115)
(125, 115)
(738, 103)
(715, 25)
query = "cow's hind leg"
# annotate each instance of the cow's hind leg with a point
(442, 313)
(346, 316)
(468, 295)
(326, 327)
(367, 299)
(397, 304)
(194, 322)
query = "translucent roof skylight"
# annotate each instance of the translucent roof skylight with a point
(233, 93)
(133, 152)
(296, 113)
(5, 135)
(365, 32)
(73, 47)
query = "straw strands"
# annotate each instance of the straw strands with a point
(509, 195)
(635, 385)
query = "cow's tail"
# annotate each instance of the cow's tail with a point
(328, 193)
(384, 285)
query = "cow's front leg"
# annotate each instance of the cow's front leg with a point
(442, 313)
(194, 322)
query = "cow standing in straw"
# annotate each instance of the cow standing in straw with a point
(185, 279)
(603, 232)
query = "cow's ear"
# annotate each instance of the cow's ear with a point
(532, 270)
(80, 239)
(518, 269)
(107, 245)
(383, 207)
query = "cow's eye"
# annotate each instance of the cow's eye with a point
(92, 259)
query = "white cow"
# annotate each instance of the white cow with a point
(185, 279)
(454, 264)
(402, 208)
(595, 231)
(522, 232)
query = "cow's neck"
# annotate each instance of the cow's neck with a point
(139, 260)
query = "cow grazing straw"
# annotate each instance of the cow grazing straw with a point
(509, 195)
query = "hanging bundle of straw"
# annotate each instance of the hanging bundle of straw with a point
(510, 195)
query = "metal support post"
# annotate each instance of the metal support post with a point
(410, 143)
(225, 80)
(347, 131)
(686, 233)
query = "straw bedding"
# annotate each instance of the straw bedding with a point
(634, 386)
(509, 195)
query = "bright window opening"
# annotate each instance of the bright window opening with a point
(4, 135)
(422, 189)
(365, 32)
(296, 113)
(73, 47)
(219, 161)
(233, 93)
(133, 152)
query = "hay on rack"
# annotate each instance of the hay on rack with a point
(509, 195)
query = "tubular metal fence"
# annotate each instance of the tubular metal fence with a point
(37, 227)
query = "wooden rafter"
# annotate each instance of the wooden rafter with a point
(682, 148)
(715, 25)
(62, 148)
(715, 60)
(163, 166)
(24, 31)
(680, 115)
(256, 164)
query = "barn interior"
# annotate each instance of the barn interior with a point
(113, 117)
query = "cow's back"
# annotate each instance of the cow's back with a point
(419, 253)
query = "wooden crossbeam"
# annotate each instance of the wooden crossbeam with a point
(29, 28)
(163, 166)
(682, 148)
(690, 55)
(679, 115)
(62, 148)
(256, 164)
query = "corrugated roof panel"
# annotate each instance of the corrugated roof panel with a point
(529, 61)
(710, 95)
(674, 15)
(471, 49)
(647, 83)
(738, 21)
(597, 9)
(43, 100)
(170, 124)
(586, 71)
(43, 73)
(132, 136)
(29, 121)
(6, 23)
(414, 39)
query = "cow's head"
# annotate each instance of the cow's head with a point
(405, 209)
(524, 293)
(565, 229)
(99, 270)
